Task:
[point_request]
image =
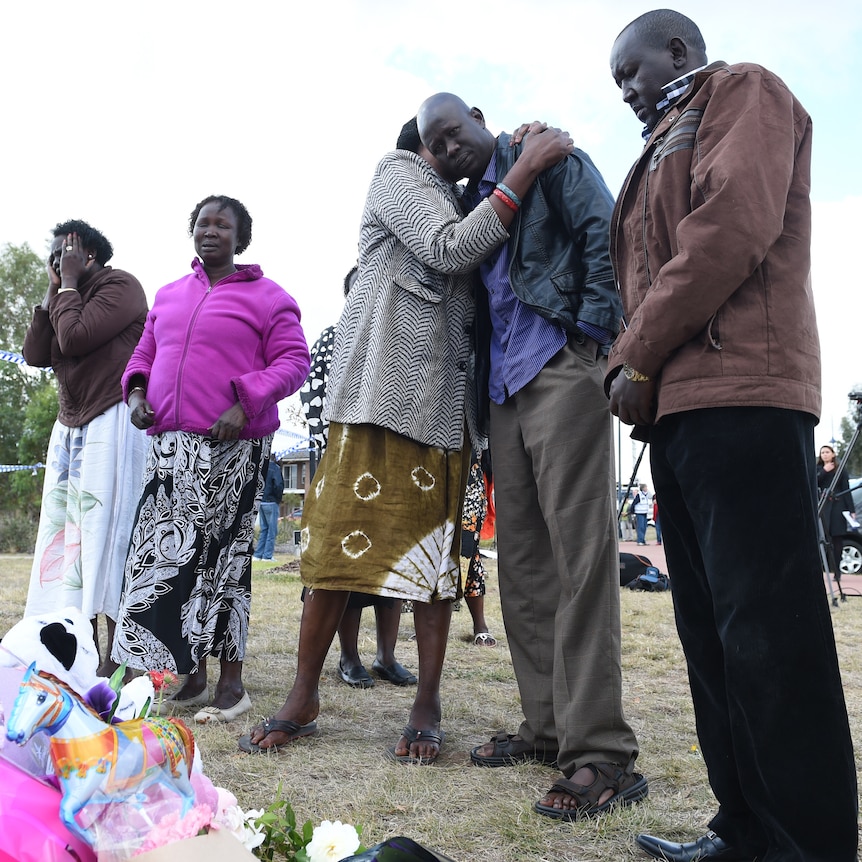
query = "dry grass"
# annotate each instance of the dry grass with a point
(469, 813)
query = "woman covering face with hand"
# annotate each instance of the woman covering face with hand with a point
(85, 330)
(221, 347)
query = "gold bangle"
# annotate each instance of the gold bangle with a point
(138, 389)
(634, 376)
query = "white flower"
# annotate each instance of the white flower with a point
(254, 834)
(233, 820)
(332, 842)
(242, 826)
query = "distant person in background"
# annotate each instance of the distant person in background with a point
(273, 492)
(312, 393)
(85, 330)
(628, 520)
(836, 503)
(656, 519)
(641, 507)
(387, 611)
(221, 347)
(475, 510)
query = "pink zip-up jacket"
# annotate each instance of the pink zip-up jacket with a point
(205, 347)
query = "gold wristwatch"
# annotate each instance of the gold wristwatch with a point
(634, 376)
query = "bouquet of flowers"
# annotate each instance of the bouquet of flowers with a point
(134, 788)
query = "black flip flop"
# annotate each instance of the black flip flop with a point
(412, 735)
(290, 728)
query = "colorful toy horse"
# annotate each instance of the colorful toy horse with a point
(96, 762)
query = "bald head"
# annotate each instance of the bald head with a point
(439, 101)
(456, 135)
(658, 28)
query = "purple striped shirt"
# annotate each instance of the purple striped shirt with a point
(522, 342)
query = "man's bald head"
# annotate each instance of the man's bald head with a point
(456, 135)
(437, 102)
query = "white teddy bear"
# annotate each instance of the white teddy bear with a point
(62, 644)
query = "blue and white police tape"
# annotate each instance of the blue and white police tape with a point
(17, 358)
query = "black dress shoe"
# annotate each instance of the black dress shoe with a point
(356, 677)
(395, 673)
(704, 849)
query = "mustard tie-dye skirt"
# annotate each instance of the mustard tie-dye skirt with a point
(383, 516)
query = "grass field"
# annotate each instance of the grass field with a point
(466, 812)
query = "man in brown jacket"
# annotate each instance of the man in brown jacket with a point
(710, 241)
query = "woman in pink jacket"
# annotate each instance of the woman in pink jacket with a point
(221, 347)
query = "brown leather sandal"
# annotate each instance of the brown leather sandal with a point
(628, 787)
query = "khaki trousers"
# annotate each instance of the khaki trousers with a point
(552, 456)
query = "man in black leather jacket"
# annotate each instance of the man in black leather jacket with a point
(550, 300)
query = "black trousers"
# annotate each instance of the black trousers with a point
(739, 523)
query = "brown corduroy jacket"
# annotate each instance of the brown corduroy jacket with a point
(87, 337)
(710, 242)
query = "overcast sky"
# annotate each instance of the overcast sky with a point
(126, 115)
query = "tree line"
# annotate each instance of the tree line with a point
(28, 399)
(28, 403)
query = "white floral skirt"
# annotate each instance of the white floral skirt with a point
(92, 485)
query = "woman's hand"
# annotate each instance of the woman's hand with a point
(543, 148)
(525, 129)
(74, 261)
(229, 424)
(53, 283)
(142, 413)
(547, 147)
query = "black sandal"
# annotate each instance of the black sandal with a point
(510, 749)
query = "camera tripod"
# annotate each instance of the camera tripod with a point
(827, 555)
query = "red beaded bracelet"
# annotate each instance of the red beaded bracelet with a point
(506, 200)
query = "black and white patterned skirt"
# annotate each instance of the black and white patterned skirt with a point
(187, 580)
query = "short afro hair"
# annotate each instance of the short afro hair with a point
(243, 219)
(658, 27)
(90, 238)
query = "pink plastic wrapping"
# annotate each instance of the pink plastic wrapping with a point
(30, 826)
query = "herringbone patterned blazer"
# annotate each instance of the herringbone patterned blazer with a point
(403, 352)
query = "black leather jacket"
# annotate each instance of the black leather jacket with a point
(559, 264)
